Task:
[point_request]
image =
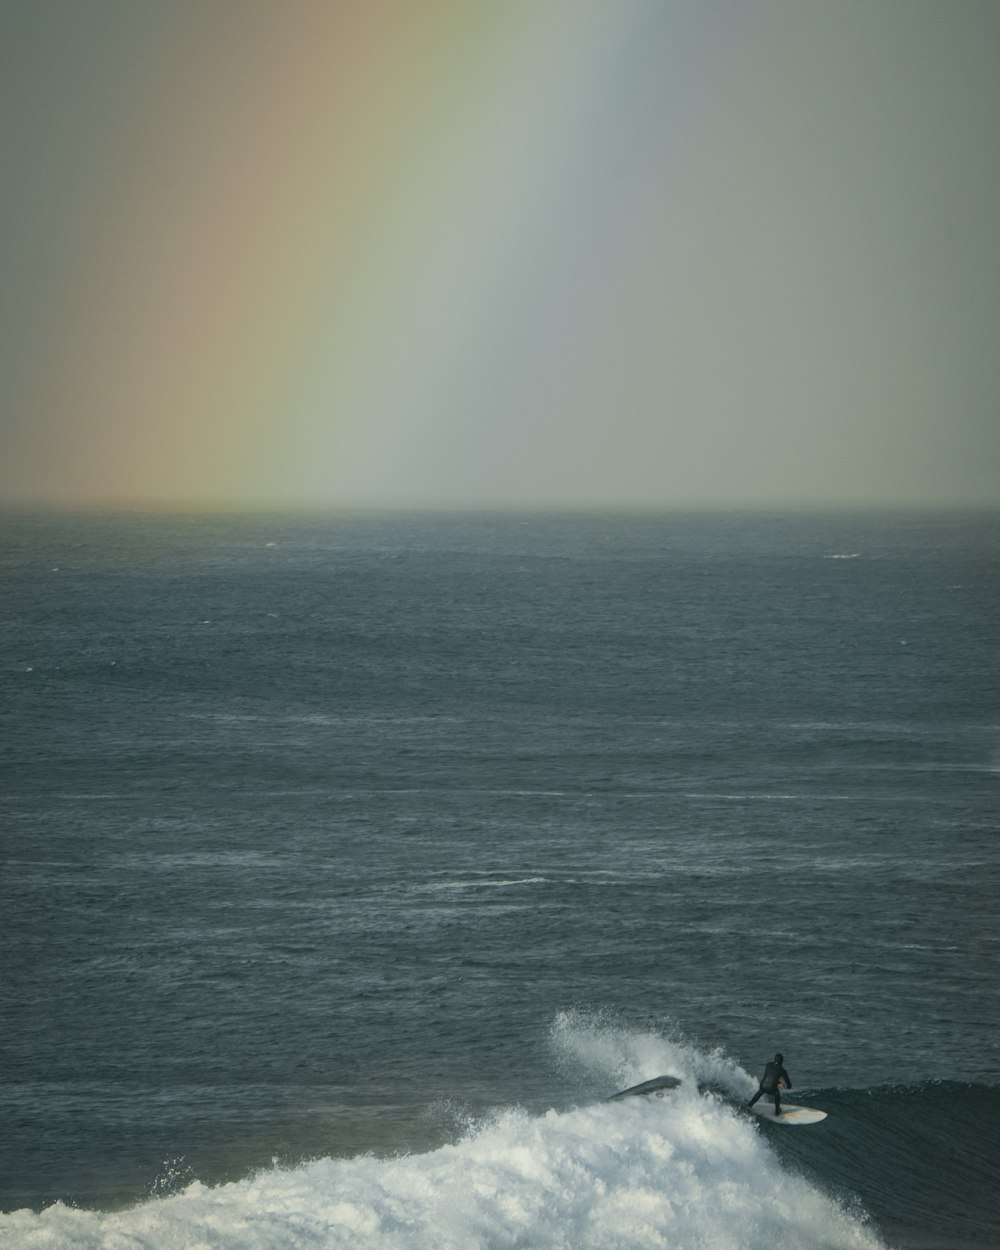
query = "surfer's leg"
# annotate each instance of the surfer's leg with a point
(754, 1098)
(777, 1101)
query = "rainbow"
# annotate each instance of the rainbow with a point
(361, 250)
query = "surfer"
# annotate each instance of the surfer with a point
(774, 1080)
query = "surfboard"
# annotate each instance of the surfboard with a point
(659, 1086)
(790, 1113)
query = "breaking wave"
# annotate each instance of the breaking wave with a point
(686, 1170)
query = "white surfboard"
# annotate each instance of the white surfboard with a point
(790, 1113)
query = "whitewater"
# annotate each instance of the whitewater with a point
(682, 1171)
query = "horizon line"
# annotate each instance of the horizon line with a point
(249, 507)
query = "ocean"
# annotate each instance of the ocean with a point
(350, 863)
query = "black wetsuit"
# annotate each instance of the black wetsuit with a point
(774, 1073)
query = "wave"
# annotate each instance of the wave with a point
(651, 1174)
(687, 1170)
(923, 1158)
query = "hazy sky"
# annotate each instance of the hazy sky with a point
(530, 252)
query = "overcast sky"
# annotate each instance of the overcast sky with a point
(503, 252)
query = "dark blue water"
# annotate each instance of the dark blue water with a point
(330, 838)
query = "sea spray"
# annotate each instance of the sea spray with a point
(683, 1171)
(618, 1054)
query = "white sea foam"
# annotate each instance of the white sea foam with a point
(484, 883)
(676, 1172)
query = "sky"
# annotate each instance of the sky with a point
(502, 253)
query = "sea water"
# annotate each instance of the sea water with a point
(350, 862)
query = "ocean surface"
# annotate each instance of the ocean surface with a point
(351, 862)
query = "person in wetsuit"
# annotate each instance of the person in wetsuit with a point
(775, 1078)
